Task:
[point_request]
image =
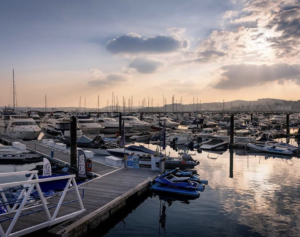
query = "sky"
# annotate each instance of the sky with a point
(210, 50)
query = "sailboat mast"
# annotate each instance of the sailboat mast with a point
(14, 96)
(45, 103)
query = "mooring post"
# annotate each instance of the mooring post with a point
(73, 140)
(251, 117)
(141, 116)
(120, 123)
(231, 129)
(287, 124)
(231, 164)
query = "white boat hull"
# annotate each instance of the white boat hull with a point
(28, 135)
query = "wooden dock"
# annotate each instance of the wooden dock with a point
(103, 196)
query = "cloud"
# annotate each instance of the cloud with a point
(145, 65)
(99, 79)
(245, 75)
(286, 22)
(209, 55)
(133, 43)
(176, 31)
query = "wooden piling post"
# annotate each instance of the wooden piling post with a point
(73, 141)
(287, 124)
(120, 123)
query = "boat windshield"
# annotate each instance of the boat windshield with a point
(109, 120)
(131, 118)
(23, 123)
(63, 126)
(86, 121)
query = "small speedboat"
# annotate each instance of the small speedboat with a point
(270, 148)
(214, 144)
(144, 136)
(174, 191)
(176, 182)
(137, 150)
(17, 154)
(188, 174)
(85, 142)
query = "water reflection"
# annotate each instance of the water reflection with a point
(231, 164)
(165, 203)
(249, 194)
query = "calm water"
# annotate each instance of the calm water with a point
(248, 195)
(256, 196)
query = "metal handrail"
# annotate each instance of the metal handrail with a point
(34, 182)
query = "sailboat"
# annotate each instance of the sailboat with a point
(8, 111)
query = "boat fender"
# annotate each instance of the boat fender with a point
(201, 188)
(204, 181)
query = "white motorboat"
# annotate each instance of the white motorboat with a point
(136, 123)
(5, 116)
(214, 144)
(110, 125)
(278, 130)
(136, 150)
(242, 136)
(205, 133)
(143, 136)
(23, 128)
(35, 117)
(222, 134)
(17, 153)
(264, 137)
(88, 125)
(270, 148)
(180, 138)
(164, 121)
(277, 119)
(59, 127)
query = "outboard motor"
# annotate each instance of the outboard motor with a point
(191, 145)
(199, 139)
(187, 157)
(98, 140)
(173, 142)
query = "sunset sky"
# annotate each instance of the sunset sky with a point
(209, 49)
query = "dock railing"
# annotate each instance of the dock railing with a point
(12, 211)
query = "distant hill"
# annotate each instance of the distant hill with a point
(265, 104)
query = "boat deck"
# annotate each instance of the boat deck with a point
(103, 195)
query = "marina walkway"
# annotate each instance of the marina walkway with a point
(103, 196)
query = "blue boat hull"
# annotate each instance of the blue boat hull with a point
(55, 185)
(160, 188)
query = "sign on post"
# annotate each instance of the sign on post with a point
(81, 164)
(133, 162)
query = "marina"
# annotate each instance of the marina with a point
(150, 118)
(102, 201)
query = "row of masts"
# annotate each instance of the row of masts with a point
(146, 104)
(128, 104)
